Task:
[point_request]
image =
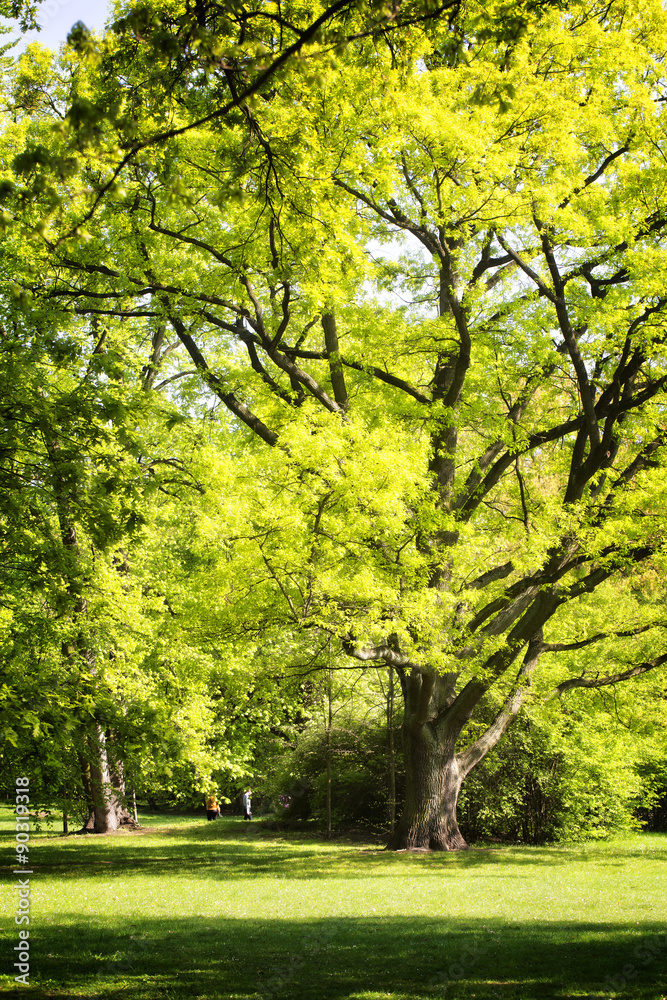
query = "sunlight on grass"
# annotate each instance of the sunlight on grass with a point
(227, 910)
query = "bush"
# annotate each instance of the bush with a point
(297, 784)
(568, 778)
(516, 792)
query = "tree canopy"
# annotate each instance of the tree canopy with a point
(415, 257)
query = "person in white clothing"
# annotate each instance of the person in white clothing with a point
(247, 814)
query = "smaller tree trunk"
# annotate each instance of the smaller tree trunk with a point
(329, 725)
(103, 785)
(392, 752)
(86, 782)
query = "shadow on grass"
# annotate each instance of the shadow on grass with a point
(345, 958)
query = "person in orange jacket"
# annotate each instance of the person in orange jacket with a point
(212, 807)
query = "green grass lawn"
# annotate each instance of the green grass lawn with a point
(190, 909)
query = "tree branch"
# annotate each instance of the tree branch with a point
(528, 270)
(559, 647)
(597, 682)
(383, 376)
(382, 652)
(335, 367)
(593, 177)
(230, 400)
(472, 755)
(172, 378)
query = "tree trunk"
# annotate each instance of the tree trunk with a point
(103, 786)
(86, 784)
(433, 780)
(102, 782)
(434, 718)
(108, 790)
(329, 725)
(392, 757)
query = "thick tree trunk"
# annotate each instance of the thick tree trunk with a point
(392, 758)
(103, 784)
(434, 719)
(433, 780)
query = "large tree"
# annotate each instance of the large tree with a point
(456, 488)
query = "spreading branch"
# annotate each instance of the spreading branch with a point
(598, 682)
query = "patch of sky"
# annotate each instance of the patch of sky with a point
(55, 18)
(400, 290)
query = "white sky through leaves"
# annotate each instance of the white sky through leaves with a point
(56, 18)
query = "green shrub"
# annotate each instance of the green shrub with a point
(297, 784)
(567, 778)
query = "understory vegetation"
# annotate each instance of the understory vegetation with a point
(578, 779)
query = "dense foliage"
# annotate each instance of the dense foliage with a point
(333, 329)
